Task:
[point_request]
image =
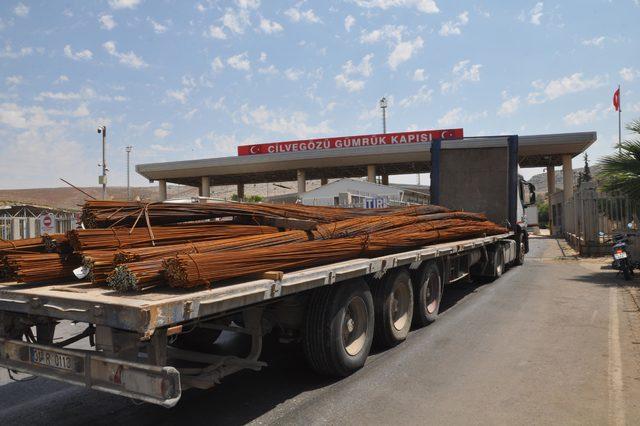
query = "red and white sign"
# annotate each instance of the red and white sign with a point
(47, 223)
(350, 141)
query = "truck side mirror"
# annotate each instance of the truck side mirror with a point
(532, 198)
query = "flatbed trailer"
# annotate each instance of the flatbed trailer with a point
(149, 346)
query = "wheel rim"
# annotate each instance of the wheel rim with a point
(354, 326)
(432, 292)
(521, 252)
(400, 300)
(499, 264)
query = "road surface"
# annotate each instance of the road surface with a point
(554, 341)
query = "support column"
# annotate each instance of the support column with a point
(567, 177)
(385, 179)
(371, 173)
(162, 190)
(302, 182)
(240, 191)
(324, 181)
(205, 186)
(551, 188)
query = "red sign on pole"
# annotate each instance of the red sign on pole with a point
(350, 141)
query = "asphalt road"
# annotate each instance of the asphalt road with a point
(554, 341)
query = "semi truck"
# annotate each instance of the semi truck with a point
(154, 345)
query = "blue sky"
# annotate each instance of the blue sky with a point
(182, 80)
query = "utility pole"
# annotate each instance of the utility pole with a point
(128, 149)
(103, 178)
(383, 107)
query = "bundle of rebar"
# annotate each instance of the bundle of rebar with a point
(193, 270)
(33, 268)
(26, 245)
(56, 243)
(145, 268)
(103, 214)
(117, 238)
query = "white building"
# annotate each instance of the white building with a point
(360, 193)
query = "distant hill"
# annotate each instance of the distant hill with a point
(540, 180)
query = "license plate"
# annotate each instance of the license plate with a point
(618, 256)
(52, 359)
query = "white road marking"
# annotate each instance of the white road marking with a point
(616, 395)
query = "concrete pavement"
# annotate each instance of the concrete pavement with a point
(554, 341)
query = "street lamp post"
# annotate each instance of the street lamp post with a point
(128, 149)
(383, 107)
(103, 178)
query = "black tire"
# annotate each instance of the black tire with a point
(498, 263)
(520, 250)
(199, 339)
(626, 271)
(427, 290)
(338, 329)
(393, 302)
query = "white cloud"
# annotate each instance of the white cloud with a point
(596, 41)
(363, 69)
(124, 4)
(107, 22)
(292, 123)
(535, 14)
(163, 148)
(628, 74)
(271, 70)
(349, 21)
(163, 131)
(13, 80)
(270, 27)
(217, 64)
(21, 10)
(563, 86)
(62, 79)
(404, 51)
(509, 106)
(8, 52)
(216, 32)
(584, 116)
(387, 32)
(178, 95)
(419, 75)
(293, 74)
(263, 57)
(200, 8)
(248, 4)
(423, 96)
(128, 59)
(455, 27)
(425, 6)
(158, 28)
(239, 62)
(461, 72)
(236, 20)
(297, 15)
(80, 55)
(457, 117)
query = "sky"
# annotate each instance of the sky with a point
(184, 80)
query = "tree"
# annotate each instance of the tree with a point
(586, 172)
(621, 171)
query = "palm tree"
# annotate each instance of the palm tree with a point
(621, 171)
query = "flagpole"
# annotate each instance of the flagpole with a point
(619, 120)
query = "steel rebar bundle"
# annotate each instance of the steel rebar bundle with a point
(114, 238)
(193, 270)
(147, 269)
(104, 214)
(26, 245)
(40, 267)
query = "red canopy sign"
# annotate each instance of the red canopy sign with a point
(350, 141)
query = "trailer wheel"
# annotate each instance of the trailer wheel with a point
(393, 301)
(199, 339)
(520, 250)
(498, 263)
(428, 294)
(339, 328)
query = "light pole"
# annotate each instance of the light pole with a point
(128, 149)
(103, 178)
(383, 107)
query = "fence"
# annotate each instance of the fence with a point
(590, 218)
(20, 222)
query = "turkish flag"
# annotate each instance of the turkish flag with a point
(616, 99)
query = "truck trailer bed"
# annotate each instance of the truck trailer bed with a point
(163, 307)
